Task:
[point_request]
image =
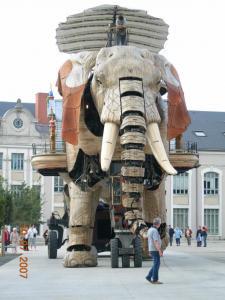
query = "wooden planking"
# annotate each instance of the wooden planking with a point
(102, 26)
(131, 85)
(132, 187)
(133, 154)
(49, 161)
(132, 171)
(144, 31)
(133, 121)
(96, 46)
(184, 160)
(133, 137)
(132, 103)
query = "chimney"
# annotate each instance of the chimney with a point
(41, 108)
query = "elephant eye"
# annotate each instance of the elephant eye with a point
(110, 54)
(98, 81)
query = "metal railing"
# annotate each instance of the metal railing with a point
(60, 147)
(188, 147)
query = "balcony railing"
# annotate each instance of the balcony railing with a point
(60, 147)
(188, 147)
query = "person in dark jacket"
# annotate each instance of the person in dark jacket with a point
(199, 236)
(171, 233)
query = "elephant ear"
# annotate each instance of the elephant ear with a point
(178, 116)
(72, 78)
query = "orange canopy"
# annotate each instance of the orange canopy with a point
(71, 105)
(178, 116)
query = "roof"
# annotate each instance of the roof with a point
(4, 106)
(212, 124)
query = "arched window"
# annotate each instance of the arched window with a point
(211, 183)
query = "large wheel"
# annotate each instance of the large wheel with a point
(137, 253)
(125, 261)
(114, 253)
(52, 244)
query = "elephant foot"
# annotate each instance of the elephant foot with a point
(79, 259)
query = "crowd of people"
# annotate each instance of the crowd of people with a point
(27, 238)
(201, 235)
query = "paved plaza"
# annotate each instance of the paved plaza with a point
(187, 273)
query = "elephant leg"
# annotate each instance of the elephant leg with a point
(154, 205)
(83, 206)
(135, 220)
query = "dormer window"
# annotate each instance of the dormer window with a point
(199, 133)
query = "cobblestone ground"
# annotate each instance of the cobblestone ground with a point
(187, 273)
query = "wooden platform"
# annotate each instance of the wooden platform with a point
(88, 30)
(51, 164)
(184, 161)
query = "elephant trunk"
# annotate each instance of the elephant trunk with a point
(132, 140)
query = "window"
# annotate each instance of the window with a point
(17, 161)
(211, 183)
(180, 218)
(16, 190)
(200, 133)
(173, 144)
(180, 184)
(59, 143)
(211, 220)
(1, 160)
(58, 184)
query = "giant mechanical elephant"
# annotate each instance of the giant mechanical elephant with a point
(113, 112)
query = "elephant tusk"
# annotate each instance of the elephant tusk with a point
(158, 150)
(109, 139)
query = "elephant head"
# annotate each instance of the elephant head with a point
(125, 89)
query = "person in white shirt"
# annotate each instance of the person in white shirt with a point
(14, 239)
(32, 235)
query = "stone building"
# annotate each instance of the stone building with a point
(21, 126)
(197, 197)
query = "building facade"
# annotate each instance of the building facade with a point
(197, 197)
(21, 126)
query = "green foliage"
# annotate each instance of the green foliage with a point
(27, 206)
(17, 208)
(6, 203)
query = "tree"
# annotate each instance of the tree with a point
(27, 206)
(6, 203)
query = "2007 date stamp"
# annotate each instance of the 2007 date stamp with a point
(24, 266)
(23, 260)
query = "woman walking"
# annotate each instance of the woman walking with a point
(14, 239)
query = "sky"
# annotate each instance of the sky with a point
(30, 59)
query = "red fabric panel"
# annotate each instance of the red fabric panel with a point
(71, 105)
(178, 116)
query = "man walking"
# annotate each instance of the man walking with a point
(154, 247)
